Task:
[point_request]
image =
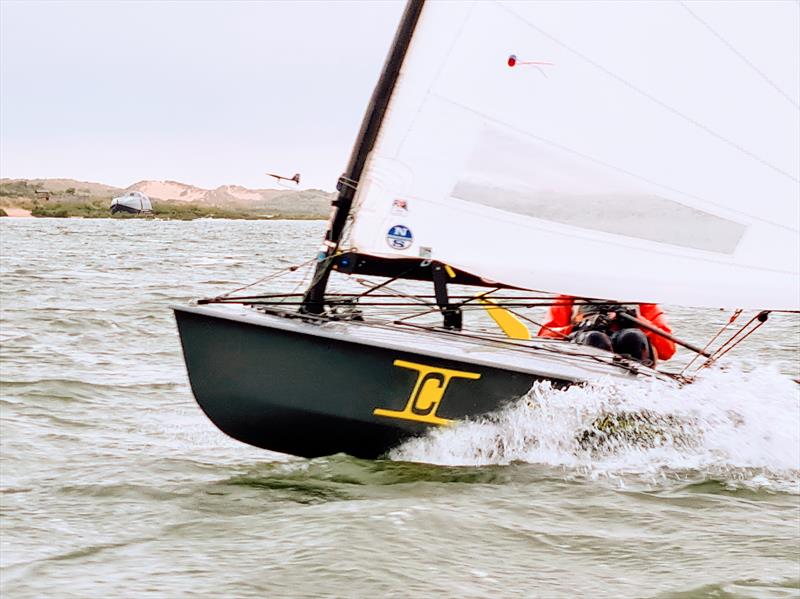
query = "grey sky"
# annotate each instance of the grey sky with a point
(207, 93)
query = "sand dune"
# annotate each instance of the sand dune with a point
(17, 212)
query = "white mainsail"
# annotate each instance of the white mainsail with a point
(634, 151)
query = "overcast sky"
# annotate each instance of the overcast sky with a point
(207, 93)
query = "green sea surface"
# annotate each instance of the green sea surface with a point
(114, 484)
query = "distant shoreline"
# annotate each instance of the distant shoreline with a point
(21, 213)
(170, 200)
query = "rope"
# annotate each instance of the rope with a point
(321, 272)
(303, 282)
(612, 360)
(523, 317)
(761, 317)
(268, 277)
(732, 337)
(516, 301)
(417, 315)
(541, 326)
(714, 338)
(385, 284)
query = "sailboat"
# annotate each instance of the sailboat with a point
(637, 151)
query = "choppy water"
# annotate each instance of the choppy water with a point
(114, 483)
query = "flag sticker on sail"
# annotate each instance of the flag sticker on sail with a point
(399, 237)
(399, 207)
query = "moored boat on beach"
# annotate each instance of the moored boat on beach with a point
(133, 202)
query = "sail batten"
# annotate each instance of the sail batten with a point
(640, 150)
(792, 226)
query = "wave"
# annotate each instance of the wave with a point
(739, 426)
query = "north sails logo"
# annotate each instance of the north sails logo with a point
(399, 237)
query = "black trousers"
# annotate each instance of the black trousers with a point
(630, 343)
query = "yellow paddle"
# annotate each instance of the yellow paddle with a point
(509, 322)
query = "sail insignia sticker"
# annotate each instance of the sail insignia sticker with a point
(399, 237)
(399, 207)
(427, 394)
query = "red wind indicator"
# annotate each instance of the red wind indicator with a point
(514, 61)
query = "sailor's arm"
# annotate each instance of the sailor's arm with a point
(662, 346)
(559, 318)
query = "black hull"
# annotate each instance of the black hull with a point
(310, 395)
(116, 208)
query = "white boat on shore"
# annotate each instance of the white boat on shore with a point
(133, 202)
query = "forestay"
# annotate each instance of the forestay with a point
(627, 150)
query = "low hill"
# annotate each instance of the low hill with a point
(169, 190)
(171, 199)
(85, 188)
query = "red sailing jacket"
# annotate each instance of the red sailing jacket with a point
(559, 324)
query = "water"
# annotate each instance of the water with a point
(115, 484)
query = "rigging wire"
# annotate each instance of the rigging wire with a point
(721, 351)
(303, 280)
(540, 325)
(734, 336)
(731, 320)
(384, 285)
(322, 270)
(337, 299)
(612, 360)
(516, 345)
(505, 306)
(269, 277)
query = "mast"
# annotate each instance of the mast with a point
(313, 300)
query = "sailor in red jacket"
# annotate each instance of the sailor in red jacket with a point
(599, 326)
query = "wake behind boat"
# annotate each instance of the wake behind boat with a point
(513, 147)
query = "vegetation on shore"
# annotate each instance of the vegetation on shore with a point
(94, 203)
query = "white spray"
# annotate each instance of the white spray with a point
(732, 424)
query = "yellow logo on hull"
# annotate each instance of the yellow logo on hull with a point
(427, 393)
